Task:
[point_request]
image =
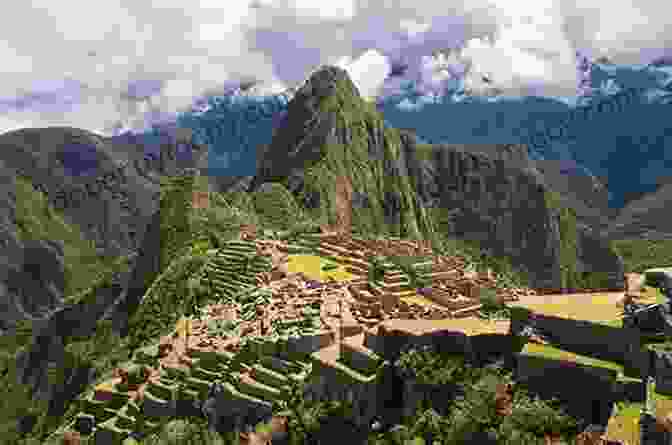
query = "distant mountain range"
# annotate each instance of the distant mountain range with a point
(621, 152)
(625, 146)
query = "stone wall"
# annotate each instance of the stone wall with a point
(589, 392)
(663, 372)
(337, 382)
(620, 345)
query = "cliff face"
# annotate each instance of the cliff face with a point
(645, 218)
(496, 195)
(496, 200)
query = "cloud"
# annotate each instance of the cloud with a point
(368, 72)
(130, 62)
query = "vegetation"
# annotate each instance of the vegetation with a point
(641, 254)
(493, 308)
(192, 234)
(37, 219)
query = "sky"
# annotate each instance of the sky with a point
(145, 60)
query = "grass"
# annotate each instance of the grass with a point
(624, 424)
(311, 266)
(37, 219)
(601, 308)
(559, 354)
(639, 255)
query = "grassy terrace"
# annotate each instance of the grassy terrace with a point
(551, 352)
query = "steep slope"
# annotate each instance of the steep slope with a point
(86, 179)
(580, 190)
(646, 218)
(495, 195)
(37, 239)
(330, 131)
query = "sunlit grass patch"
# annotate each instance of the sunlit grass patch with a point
(312, 266)
(595, 308)
(624, 424)
(559, 354)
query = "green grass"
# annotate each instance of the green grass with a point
(639, 254)
(559, 354)
(624, 424)
(37, 219)
(618, 323)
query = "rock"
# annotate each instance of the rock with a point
(595, 255)
(663, 372)
(492, 201)
(39, 283)
(76, 383)
(661, 278)
(26, 423)
(648, 319)
(84, 424)
(580, 190)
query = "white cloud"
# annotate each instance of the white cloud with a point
(368, 72)
(198, 47)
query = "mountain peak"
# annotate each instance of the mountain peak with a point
(331, 132)
(326, 81)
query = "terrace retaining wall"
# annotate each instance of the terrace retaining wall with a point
(332, 383)
(477, 349)
(589, 392)
(663, 372)
(616, 344)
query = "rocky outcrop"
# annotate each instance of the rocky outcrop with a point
(145, 269)
(644, 218)
(40, 281)
(579, 190)
(497, 201)
(595, 256)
